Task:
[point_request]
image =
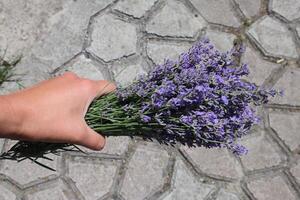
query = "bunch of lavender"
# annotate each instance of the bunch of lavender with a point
(198, 100)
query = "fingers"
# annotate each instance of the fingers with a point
(93, 140)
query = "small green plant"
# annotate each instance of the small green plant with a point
(6, 70)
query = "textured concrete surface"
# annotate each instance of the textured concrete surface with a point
(120, 39)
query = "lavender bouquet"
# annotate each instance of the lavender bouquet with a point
(198, 100)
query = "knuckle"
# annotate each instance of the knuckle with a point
(87, 85)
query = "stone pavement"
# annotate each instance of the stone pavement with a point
(117, 40)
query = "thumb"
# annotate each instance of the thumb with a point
(93, 140)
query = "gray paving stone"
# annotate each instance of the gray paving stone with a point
(259, 68)
(136, 8)
(1, 144)
(219, 12)
(249, 8)
(158, 51)
(214, 162)
(8, 87)
(145, 173)
(125, 74)
(57, 191)
(61, 40)
(289, 83)
(27, 76)
(33, 171)
(21, 29)
(185, 185)
(290, 9)
(6, 194)
(295, 170)
(182, 23)
(85, 68)
(273, 188)
(98, 175)
(113, 38)
(274, 37)
(287, 127)
(69, 28)
(222, 41)
(224, 195)
(261, 154)
(298, 30)
(114, 145)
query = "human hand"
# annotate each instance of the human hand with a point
(54, 110)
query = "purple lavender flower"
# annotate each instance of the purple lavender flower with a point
(145, 118)
(224, 99)
(199, 100)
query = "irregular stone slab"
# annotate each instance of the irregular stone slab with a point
(6, 194)
(273, 37)
(224, 195)
(185, 185)
(37, 72)
(298, 30)
(295, 170)
(271, 189)
(214, 162)
(222, 41)
(69, 29)
(53, 192)
(145, 173)
(98, 175)
(1, 144)
(126, 73)
(33, 172)
(159, 51)
(136, 8)
(112, 38)
(287, 127)
(249, 8)
(289, 83)
(8, 87)
(23, 23)
(219, 12)
(259, 68)
(261, 154)
(85, 68)
(175, 20)
(290, 9)
(63, 37)
(114, 145)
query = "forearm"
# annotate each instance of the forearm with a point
(10, 122)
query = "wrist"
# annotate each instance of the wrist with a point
(11, 117)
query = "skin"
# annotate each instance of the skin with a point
(53, 111)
